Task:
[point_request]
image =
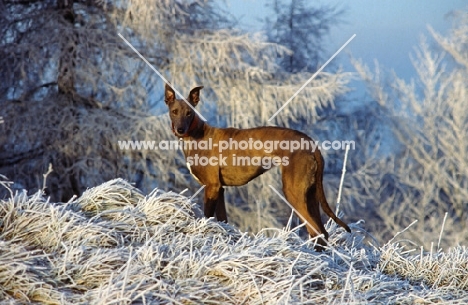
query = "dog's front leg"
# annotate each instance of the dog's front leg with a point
(221, 207)
(214, 202)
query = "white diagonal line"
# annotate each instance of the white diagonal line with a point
(203, 186)
(343, 257)
(161, 76)
(313, 76)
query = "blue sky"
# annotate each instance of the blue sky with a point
(386, 31)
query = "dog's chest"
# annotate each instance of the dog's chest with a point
(191, 172)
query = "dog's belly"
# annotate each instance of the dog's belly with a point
(237, 176)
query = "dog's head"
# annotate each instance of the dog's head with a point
(183, 116)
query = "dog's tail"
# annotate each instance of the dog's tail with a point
(321, 194)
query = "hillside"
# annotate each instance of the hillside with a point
(116, 245)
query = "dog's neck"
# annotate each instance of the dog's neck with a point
(196, 129)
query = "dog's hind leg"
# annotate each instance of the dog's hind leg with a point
(296, 188)
(313, 207)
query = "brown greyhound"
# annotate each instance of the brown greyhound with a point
(219, 157)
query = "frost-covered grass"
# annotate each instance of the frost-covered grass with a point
(115, 245)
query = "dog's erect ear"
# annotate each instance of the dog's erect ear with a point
(194, 96)
(169, 94)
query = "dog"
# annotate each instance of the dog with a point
(215, 159)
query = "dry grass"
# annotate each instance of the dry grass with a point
(115, 245)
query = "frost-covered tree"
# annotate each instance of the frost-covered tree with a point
(302, 28)
(427, 174)
(71, 88)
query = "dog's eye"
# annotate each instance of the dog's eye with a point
(189, 113)
(174, 111)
